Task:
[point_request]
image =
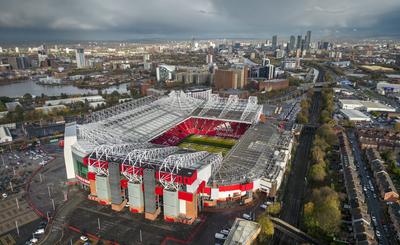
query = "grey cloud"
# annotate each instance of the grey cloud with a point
(162, 18)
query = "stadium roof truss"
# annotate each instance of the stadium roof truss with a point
(124, 107)
(173, 163)
(104, 153)
(141, 157)
(251, 107)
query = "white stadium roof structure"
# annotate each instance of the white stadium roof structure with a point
(144, 119)
(123, 134)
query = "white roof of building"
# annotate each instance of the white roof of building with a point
(386, 85)
(376, 106)
(76, 99)
(355, 115)
(242, 232)
(351, 102)
(5, 133)
(369, 105)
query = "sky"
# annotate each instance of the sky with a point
(170, 19)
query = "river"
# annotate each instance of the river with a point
(20, 88)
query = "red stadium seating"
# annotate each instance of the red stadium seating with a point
(201, 126)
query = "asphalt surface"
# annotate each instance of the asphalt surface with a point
(375, 206)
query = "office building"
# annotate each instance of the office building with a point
(228, 79)
(307, 40)
(209, 59)
(265, 61)
(292, 43)
(298, 43)
(165, 72)
(270, 85)
(267, 72)
(80, 58)
(274, 42)
(23, 62)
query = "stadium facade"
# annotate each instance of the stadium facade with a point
(128, 155)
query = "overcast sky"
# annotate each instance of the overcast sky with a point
(136, 19)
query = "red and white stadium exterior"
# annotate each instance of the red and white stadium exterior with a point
(128, 155)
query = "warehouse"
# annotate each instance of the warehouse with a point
(355, 115)
(365, 105)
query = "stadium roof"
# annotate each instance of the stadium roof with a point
(146, 118)
(251, 156)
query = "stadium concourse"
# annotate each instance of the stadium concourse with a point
(129, 154)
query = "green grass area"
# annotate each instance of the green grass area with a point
(210, 140)
(208, 148)
(208, 143)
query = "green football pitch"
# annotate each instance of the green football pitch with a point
(211, 144)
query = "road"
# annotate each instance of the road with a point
(374, 205)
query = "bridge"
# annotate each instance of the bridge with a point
(293, 232)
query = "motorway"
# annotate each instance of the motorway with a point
(374, 205)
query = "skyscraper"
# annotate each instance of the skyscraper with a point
(298, 44)
(307, 40)
(292, 42)
(274, 42)
(80, 58)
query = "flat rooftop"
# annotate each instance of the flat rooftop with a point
(243, 232)
(355, 115)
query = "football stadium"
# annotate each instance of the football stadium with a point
(173, 155)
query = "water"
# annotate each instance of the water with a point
(20, 88)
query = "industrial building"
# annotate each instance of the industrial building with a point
(354, 115)
(385, 88)
(365, 105)
(129, 154)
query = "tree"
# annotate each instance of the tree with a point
(318, 172)
(27, 99)
(301, 118)
(317, 154)
(397, 126)
(19, 114)
(2, 106)
(322, 213)
(267, 227)
(274, 209)
(327, 132)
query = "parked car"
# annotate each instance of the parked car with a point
(220, 236)
(225, 232)
(84, 238)
(247, 216)
(39, 231)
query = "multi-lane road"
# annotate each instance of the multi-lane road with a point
(371, 194)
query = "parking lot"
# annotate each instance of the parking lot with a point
(16, 167)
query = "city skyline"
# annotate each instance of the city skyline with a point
(125, 20)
